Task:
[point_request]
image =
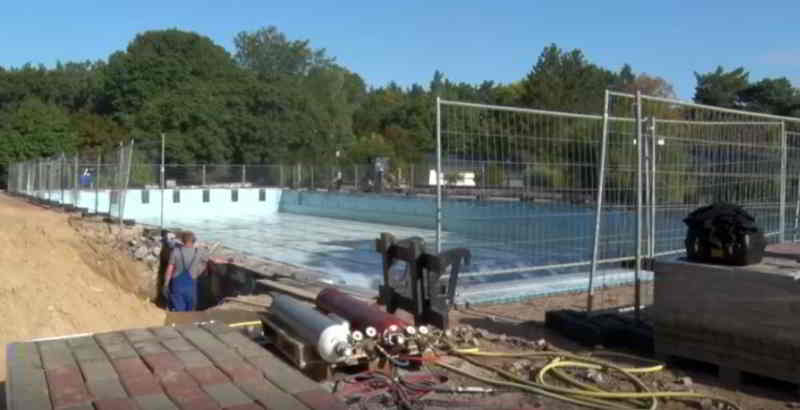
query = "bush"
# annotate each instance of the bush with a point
(542, 176)
(495, 176)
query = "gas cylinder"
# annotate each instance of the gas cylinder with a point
(360, 314)
(331, 338)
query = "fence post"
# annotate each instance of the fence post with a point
(119, 185)
(204, 175)
(280, 173)
(783, 177)
(77, 192)
(97, 184)
(639, 200)
(653, 192)
(244, 173)
(438, 175)
(163, 176)
(599, 206)
(355, 177)
(62, 161)
(311, 168)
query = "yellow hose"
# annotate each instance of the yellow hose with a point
(242, 324)
(585, 394)
(535, 353)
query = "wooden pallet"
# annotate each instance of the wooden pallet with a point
(731, 364)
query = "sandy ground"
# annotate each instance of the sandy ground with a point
(53, 282)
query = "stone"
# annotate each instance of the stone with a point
(685, 381)
(156, 250)
(141, 252)
(595, 376)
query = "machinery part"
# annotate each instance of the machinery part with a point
(428, 299)
(360, 314)
(370, 332)
(331, 338)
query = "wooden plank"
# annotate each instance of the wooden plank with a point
(291, 290)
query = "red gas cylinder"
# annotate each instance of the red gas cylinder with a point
(360, 314)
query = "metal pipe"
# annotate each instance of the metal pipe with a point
(709, 107)
(438, 175)
(97, 184)
(640, 145)
(162, 181)
(783, 183)
(331, 338)
(599, 206)
(360, 314)
(653, 192)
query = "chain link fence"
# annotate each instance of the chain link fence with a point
(95, 181)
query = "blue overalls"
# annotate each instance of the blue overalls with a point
(183, 288)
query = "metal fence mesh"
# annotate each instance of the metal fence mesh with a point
(518, 184)
(531, 192)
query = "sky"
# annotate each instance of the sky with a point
(406, 41)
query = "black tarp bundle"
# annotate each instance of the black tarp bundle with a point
(724, 233)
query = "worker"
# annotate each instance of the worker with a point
(186, 264)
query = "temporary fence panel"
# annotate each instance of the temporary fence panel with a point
(518, 183)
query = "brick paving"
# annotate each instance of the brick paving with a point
(206, 367)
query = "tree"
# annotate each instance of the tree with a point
(268, 52)
(35, 129)
(720, 88)
(566, 81)
(157, 62)
(648, 85)
(773, 96)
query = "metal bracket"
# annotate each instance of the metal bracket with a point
(426, 297)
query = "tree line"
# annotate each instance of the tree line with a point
(278, 100)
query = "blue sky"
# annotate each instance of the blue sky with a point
(469, 41)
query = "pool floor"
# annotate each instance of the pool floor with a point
(344, 250)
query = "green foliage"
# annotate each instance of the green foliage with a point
(280, 100)
(545, 176)
(566, 81)
(721, 88)
(495, 176)
(774, 96)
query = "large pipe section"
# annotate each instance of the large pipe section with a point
(331, 338)
(364, 317)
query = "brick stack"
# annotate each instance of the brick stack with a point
(209, 367)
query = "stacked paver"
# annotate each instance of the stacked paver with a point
(202, 367)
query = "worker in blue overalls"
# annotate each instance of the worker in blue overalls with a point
(186, 263)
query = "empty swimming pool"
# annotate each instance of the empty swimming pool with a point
(334, 233)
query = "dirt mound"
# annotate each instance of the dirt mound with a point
(50, 282)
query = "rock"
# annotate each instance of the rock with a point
(150, 258)
(520, 365)
(791, 405)
(595, 376)
(141, 252)
(541, 343)
(685, 381)
(707, 404)
(132, 242)
(502, 337)
(156, 251)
